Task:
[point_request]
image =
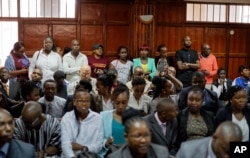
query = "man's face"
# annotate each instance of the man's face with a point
(170, 114)
(75, 46)
(36, 75)
(198, 82)
(49, 89)
(99, 51)
(4, 74)
(220, 146)
(138, 73)
(206, 50)
(187, 42)
(6, 127)
(245, 73)
(85, 73)
(82, 101)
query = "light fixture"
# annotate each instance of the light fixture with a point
(146, 19)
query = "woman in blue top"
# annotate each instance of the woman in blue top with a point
(148, 64)
(112, 119)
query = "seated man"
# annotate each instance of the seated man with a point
(85, 74)
(54, 104)
(37, 128)
(216, 146)
(11, 148)
(36, 78)
(4, 81)
(163, 124)
(210, 100)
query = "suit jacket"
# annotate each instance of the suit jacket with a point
(211, 101)
(194, 148)
(20, 149)
(168, 140)
(151, 66)
(154, 151)
(182, 119)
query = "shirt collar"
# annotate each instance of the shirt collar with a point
(5, 148)
(210, 153)
(158, 120)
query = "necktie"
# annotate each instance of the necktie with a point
(164, 128)
(6, 88)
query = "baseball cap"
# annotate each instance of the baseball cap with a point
(96, 46)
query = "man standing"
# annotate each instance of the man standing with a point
(208, 64)
(9, 147)
(187, 62)
(73, 61)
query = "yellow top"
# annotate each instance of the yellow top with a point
(145, 67)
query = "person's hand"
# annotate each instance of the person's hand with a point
(99, 71)
(24, 71)
(109, 142)
(221, 81)
(206, 72)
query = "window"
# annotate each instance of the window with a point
(47, 8)
(8, 8)
(206, 12)
(239, 13)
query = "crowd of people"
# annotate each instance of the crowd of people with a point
(70, 105)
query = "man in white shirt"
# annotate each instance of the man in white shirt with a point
(73, 61)
(54, 104)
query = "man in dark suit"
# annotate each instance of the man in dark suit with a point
(163, 124)
(216, 146)
(210, 100)
(9, 147)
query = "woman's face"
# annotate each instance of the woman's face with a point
(48, 44)
(164, 52)
(123, 54)
(121, 102)
(100, 88)
(81, 101)
(194, 102)
(20, 52)
(139, 138)
(138, 90)
(144, 53)
(169, 88)
(239, 100)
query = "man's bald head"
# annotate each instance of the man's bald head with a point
(6, 127)
(85, 72)
(167, 109)
(31, 109)
(5, 112)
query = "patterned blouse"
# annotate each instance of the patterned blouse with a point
(196, 127)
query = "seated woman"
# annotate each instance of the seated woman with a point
(112, 119)
(236, 110)
(194, 122)
(138, 136)
(81, 128)
(148, 64)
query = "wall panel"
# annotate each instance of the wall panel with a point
(118, 13)
(92, 12)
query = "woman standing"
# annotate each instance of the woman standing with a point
(46, 59)
(122, 65)
(236, 110)
(17, 63)
(112, 119)
(148, 64)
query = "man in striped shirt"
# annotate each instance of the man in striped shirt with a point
(41, 130)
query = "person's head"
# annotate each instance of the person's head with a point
(49, 44)
(205, 49)
(59, 51)
(66, 50)
(195, 100)
(122, 53)
(18, 49)
(138, 135)
(198, 79)
(85, 72)
(120, 97)
(138, 86)
(59, 77)
(113, 74)
(225, 133)
(6, 127)
(75, 47)
(163, 50)
(187, 42)
(163, 87)
(81, 101)
(144, 51)
(4, 75)
(49, 88)
(84, 84)
(97, 49)
(138, 72)
(167, 109)
(244, 71)
(237, 97)
(222, 73)
(32, 115)
(36, 75)
(104, 84)
(29, 91)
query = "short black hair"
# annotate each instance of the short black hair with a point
(241, 68)
(27, 88)
(84, 83)
(232, 90)
(121, 88)
(59, 74)
(129, 113)
(160, 46)
(138, 81)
